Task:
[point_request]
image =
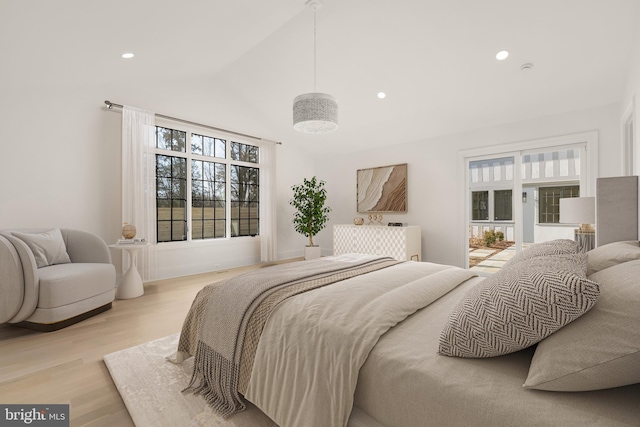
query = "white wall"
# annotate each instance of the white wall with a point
(61, 162)
(630, 97)
(630, 94)
(294, 164)
(433, 202)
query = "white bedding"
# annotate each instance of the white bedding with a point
(449, 391)
(403, 382)
(344, 355)
(311, 350)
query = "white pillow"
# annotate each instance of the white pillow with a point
(600, 349)
(48, 247)
(611, 254)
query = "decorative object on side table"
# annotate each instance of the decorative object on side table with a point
(358, 221)
(311, 213)
(580, 210)
(134, 241)
(128, 231)
(375, 219)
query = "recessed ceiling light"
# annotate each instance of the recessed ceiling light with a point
(381, 95)
(127, 55)
(502, 55)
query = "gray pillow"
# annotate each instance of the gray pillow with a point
(519, 306)
(602, 348)
(48, 247)
(611, 254)
(551, 247)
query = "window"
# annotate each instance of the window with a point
(208, 195)
(549, 202)
(244, 201)
(244, 191)
(479, 205)
(502, 205)
(244, 152)
(195, 181)
(171, 186)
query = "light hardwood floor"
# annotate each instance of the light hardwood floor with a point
(66, 366)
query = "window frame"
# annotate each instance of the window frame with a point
(227, 161)
(561, 188)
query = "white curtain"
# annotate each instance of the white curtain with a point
(138, 184)
(268, 246)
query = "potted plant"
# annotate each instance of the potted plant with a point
(311, 214)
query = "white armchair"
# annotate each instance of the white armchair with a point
(50, 279)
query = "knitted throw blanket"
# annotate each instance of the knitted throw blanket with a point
(226, 319)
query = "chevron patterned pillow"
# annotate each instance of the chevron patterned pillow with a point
(552, 247)
(519, 306)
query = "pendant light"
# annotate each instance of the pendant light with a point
(315, 112)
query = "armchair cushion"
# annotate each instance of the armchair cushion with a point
(69, 283)
(48, 247)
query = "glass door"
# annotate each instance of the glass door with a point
(492, 234)
(513, 201)
(548, 176)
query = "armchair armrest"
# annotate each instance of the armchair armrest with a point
(86, 247)
(31, 282)
(11, 281)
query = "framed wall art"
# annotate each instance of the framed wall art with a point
(382, 189)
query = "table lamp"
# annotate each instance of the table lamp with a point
(580, 210)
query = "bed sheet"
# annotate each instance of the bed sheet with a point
(405, 383)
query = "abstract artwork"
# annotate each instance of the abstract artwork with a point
(382, 189)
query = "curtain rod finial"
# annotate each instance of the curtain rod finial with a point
(109, 104)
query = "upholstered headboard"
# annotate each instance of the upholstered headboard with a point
(616, 209)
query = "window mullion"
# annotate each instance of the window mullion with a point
(227, 189)
(189, 172)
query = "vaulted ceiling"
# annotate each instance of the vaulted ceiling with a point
(435, 59)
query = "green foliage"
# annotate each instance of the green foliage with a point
(499, 236)
(311, 214)
(489, 238)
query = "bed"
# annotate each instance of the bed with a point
(373, 342)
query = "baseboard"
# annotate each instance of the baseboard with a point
(50, 327)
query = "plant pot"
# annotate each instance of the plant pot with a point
(312, 252)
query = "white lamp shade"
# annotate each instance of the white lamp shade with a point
(315, 113)
(578, 210)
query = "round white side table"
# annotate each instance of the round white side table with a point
(130, 285)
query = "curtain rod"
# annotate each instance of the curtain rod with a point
(110, 106)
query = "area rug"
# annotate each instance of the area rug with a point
(151, 389)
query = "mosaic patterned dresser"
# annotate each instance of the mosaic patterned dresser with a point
(401, 243)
